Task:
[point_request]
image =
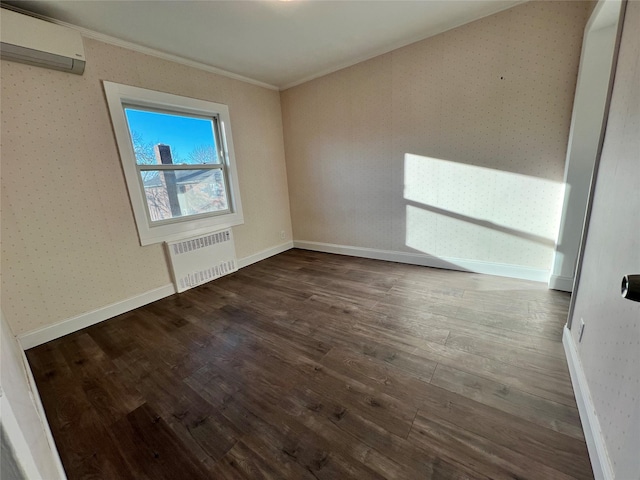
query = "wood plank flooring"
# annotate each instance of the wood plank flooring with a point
(318, 366)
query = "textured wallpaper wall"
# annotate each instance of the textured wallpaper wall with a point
(610, 348)
(69, 242)
(453, 146)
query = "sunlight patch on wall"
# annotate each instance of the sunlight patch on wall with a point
(468, 212)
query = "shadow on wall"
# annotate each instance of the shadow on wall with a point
(460, 211)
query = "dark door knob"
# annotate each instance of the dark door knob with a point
(631, 287)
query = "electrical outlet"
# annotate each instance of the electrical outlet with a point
(283, 235)
(581, 332)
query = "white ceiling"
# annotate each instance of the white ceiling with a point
(280, 43)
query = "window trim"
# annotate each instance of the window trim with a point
(121, 96)
(222, 166)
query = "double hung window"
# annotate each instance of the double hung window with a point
(177, 156)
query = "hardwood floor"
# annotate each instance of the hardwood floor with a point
(318, 366)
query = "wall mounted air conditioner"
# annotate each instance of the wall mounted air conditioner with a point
(36, 42)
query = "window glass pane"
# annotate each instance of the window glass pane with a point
(179, 193)
(184, 140)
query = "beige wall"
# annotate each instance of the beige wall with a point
(453, 146)
(610, 348)
(69, 240)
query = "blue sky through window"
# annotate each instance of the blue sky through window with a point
(182, 133)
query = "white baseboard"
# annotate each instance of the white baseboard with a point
(476, 266)
(35, 395)
(269, 252)
(70, 325)
(558, 282)
(21, 448)
(65, 327)
(600, 462)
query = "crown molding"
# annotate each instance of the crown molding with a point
(85, 32)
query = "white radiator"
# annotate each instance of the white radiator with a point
(198, 260)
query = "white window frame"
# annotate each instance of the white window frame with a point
(120, 96)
